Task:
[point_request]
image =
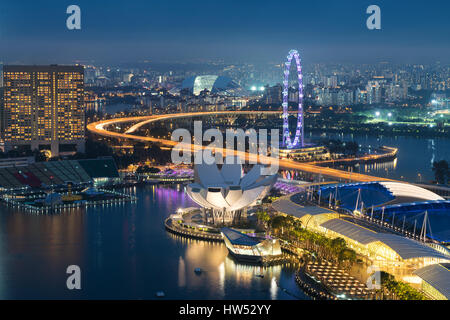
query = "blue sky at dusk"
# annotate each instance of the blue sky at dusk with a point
(260, 31)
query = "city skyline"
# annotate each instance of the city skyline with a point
(207, 150)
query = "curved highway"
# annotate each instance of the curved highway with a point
(100, 128)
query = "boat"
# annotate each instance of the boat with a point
(261, 274)
(198, 270)
(160, 294)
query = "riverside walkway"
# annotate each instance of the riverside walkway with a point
(191, 233)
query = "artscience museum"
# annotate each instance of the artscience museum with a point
(226, 193)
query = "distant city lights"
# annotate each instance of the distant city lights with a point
(255, 88)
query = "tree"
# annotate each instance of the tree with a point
(147, 169)
(263, 216)
(139, 151)
(352, 147)
(338, 245)
(347, 254)
(94, 149)
(386, 277)
(441, 171)
(159, 132)
(154, 170)
(39, 156)
(159, 156)
(400, 290)
(278, 222)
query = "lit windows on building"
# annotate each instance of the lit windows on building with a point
(43, 107)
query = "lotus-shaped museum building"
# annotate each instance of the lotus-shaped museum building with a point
(227, 191)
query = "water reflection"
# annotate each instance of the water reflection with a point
(273, 289)
(181, 273)
(124, 252)
(416, 154)
(382, 169)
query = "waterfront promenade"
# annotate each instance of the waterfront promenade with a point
(175, 228)
(330, 280)
(192, 233)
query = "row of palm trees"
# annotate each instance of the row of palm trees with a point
(333, 250)
(399, 290)
(290, 229)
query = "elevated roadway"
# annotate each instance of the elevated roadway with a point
(101, 128)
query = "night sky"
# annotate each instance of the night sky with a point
(254, 31)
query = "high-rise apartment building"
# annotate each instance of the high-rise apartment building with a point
(43, 108)
(273, 95)
(1, 74)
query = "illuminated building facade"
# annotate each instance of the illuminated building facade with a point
(435, 280)
(212, 83)
(251, 249)
(43, 108)
(311, 152)
(228, 192)
(393, 253)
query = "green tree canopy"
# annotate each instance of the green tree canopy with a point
(441, 171)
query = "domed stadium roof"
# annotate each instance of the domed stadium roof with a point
(378, 193)
(211, 83)
(396, 202)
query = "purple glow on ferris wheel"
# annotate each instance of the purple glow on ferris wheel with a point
(298, 140)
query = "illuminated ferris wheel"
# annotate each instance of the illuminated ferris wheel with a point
(298, 139)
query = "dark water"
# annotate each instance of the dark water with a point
(415, 156)
(124, 252)
(117, 107)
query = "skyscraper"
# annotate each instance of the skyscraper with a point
(1, 74)
(43, 108)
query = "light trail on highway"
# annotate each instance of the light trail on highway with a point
(100, 129)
